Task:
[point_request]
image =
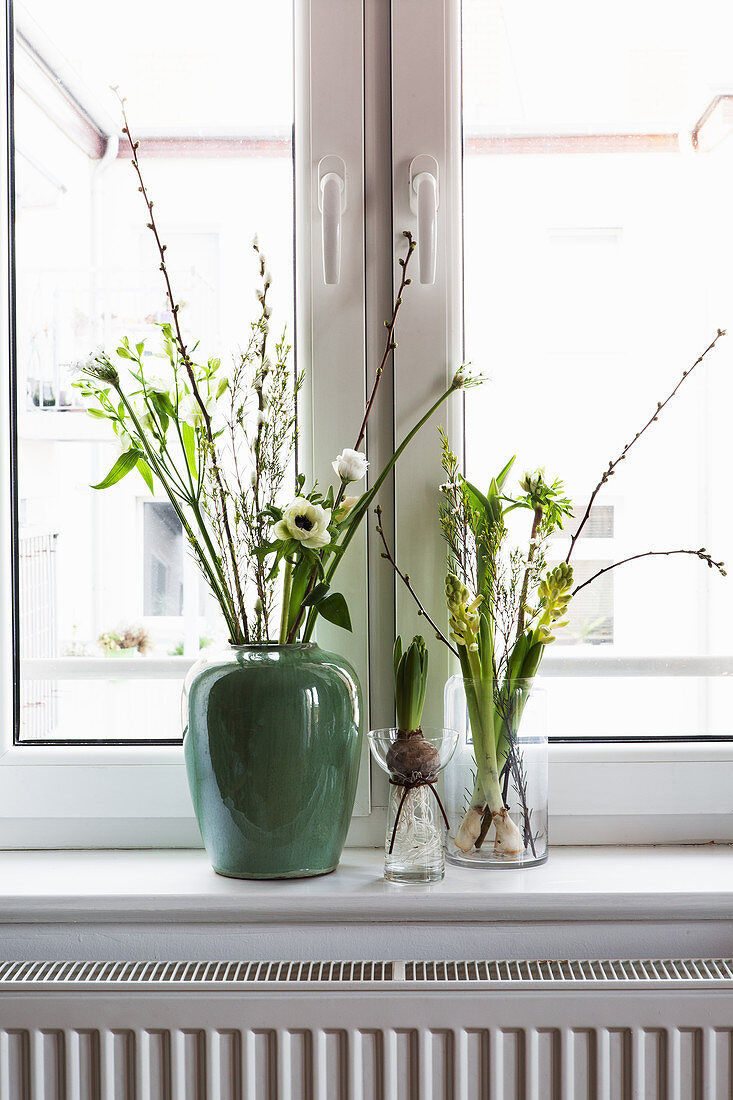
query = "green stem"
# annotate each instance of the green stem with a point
(303, 584)
(360, 510)
(285, 611)
(479, 699)
(238, 635)
(210, 569)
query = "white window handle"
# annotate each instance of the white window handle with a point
(424, 201)
(331, 203)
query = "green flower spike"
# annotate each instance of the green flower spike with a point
(465, 620)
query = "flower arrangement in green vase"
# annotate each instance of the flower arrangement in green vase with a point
(273, 779)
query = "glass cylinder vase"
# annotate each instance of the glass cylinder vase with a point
(414, 850)
(496, 785)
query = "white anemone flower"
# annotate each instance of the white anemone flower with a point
(350, 465)
(305, 522)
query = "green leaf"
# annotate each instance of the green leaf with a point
(318, 594)
(122, 466)
(397, 654)
(98, 413)
(159, 405)
(189, 446)
(503, 475)
(140, 348)
(476, 497)
(267, 548)
(335, 609)
(146, 473)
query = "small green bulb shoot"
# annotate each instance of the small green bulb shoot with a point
(410, 682)
(411, 757)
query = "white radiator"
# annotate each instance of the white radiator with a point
(637, 1029)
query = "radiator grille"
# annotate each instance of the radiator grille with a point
(535, 1030)
(507, 972)
(191, 973)
(589, 970)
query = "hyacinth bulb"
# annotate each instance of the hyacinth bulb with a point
(410, 757)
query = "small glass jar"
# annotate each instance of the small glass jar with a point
(414, 847)
(522, 761)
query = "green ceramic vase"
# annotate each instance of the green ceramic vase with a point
(272, 744)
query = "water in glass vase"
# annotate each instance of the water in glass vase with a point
(417, 853)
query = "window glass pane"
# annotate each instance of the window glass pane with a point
(163, 566)
(209, 96)
(596, 271)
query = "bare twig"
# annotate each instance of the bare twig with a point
(701, 553)
(404, 577)
(614, 462)
(186, 359)
(389, 346)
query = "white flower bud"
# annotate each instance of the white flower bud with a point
(350, 465)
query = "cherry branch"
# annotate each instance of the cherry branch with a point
(389, 347)
(404, 577)
(610, 470)
(701, 553)
(188, 365)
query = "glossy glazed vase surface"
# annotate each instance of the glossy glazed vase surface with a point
(272, 745)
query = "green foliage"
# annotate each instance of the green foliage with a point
(121, 468)
(410, 682)
(490, 588)
(335, 609)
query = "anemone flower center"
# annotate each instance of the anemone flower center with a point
(304, 523)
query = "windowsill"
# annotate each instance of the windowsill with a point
(668, 884)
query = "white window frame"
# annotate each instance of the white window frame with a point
(136, 796)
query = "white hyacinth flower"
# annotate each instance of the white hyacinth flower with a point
(350, 465)
(305, 522)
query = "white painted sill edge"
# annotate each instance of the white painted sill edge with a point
(178, 886)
